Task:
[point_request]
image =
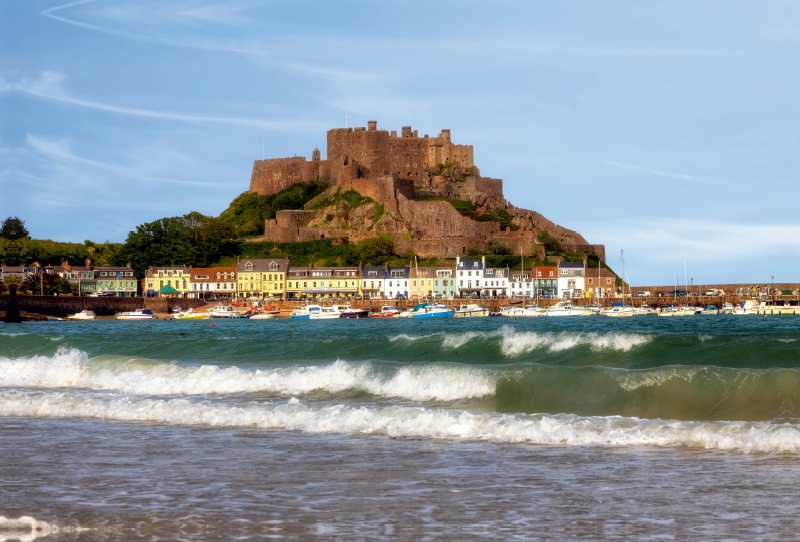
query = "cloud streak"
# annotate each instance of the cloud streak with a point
(660, 173)
(48, 87)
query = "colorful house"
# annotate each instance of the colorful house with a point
(433, 281)
(212, 282)
(263, 277)
(116, 281)
(470, 276)
(175, 277)
(545, 281)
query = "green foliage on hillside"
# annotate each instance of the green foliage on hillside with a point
(351, 197)
(502, 216)
(462, 205)
(192, 239)
(47, 252)
(247, 213)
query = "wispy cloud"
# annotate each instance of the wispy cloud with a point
(48, 86)
(60, 151)
(660, 173)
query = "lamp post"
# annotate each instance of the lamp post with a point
(773, 287)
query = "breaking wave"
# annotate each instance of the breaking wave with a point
(415, 422)
(71, 368)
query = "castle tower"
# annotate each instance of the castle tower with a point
(372, 125)
(315, 155)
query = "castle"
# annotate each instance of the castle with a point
(412, 180)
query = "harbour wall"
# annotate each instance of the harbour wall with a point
(102, 306)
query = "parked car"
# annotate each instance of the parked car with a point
(715, 291)
(677, 293)
(643, 293)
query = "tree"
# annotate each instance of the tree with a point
(61, 286)
(13, 228)
(375, 250)
(13, 280)
(496, 246)
(33, 283)
(3, 286)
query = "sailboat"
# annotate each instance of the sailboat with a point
(523, 311)
(620, 309)
(676, 310)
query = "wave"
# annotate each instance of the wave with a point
(71, 368)
(515, 343)
(673, 392)
(415, 422)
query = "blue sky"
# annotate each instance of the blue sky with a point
(667, 129)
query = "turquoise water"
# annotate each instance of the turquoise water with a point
(717, 388)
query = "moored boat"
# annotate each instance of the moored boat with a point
(346, 311)
(191, 315)
(710, 309)
(431, 310)
(470, 311)
(314, 312)
(263, 315)
(619, 310)
(138, 314)
(746, 307)
(387, 311)
(227, 311)
(674, 310)
(83, 315)
(567, 308)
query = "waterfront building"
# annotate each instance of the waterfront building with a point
(212, 282)
(520, 284)
(262, 277)
(495, 282)
(397, 279)
(600, 283)
(470, 276)
(373, 281)
(571, 280)
(545, 281)
(433, 281)
(115, 281)
(81, 278)
(175, 277)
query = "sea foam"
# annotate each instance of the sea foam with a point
(71, 368)
(416, 422)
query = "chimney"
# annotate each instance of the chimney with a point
(585, 259)
(128, 265)
(238, 259)
(88, 264)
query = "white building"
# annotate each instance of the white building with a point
(495, 282)
(520, 284)
(396, 282)
(373, 282)
(571, 280)
(470, 276)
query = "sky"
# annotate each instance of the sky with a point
(667, 129)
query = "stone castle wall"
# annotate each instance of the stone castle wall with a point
(276, 174)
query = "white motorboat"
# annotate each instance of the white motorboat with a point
(567, 308)
(347, 311)
(470, 311)
(262, 316)
(674, 310)
(315, 312)
(645, 309)
(227, 311)
(138, 314)
(746, 307)
(83, 315)
(531, 311)
(619, 310)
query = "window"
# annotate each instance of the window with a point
(397, 274)
(248, 266)
(372, 273)
(273, 266)
(226, 275)
(563, 272)
(590, 281)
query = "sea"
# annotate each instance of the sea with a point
(593, 428)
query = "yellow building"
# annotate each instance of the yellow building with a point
(261, 278)
(176, 276)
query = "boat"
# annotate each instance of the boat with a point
(83, 315)
(619, 310)
(54, 319)
(191, 315)
(431, 310)
(777, 306)
(567, 308)
(711, 309)
(346, 311)
(314, 312)
(387, 311)
(595, 308)
(674, 310)
(227, 311)
(263, 315)
(138, 314)
(745, 307)
(531, 311)
(644, 308)
(727, 308)
(470, 311)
